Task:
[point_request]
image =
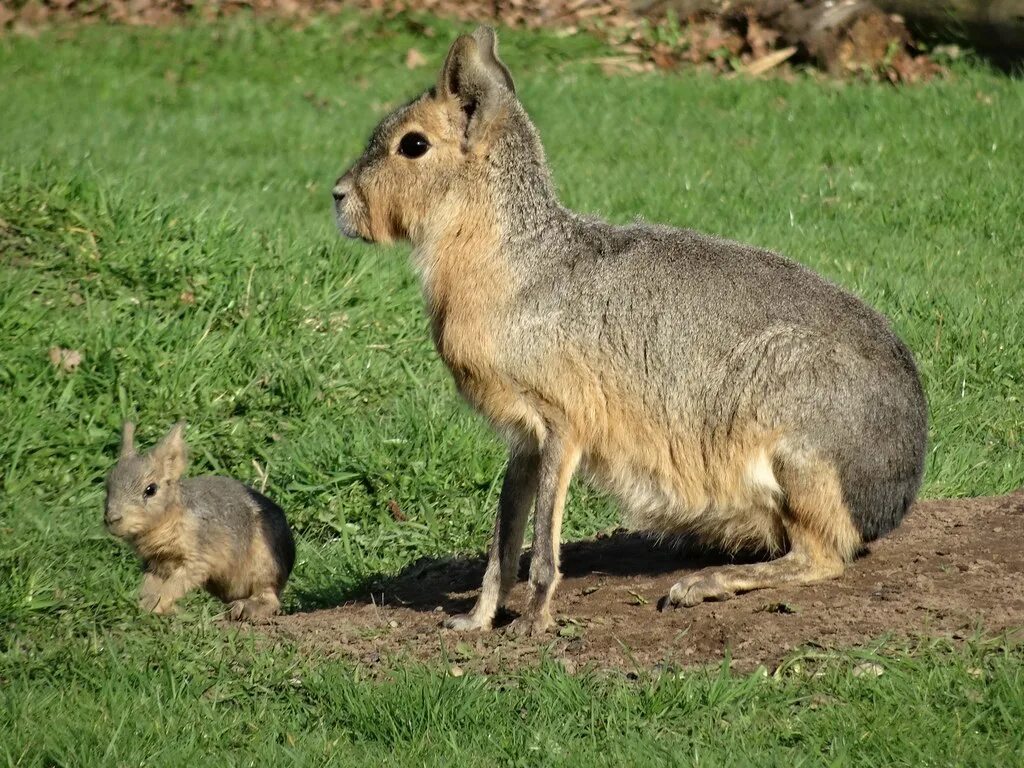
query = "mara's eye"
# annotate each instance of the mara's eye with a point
(150, 490)
(413, 145)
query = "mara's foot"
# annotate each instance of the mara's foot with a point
(724, 582)
(708, 584)
(466, 622)
(157, 604)
(253, 609)
(530, 625)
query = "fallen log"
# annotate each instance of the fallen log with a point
(841, 36)
(994, 27)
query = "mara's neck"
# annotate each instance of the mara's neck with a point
(483, 240)
(521, 185)
(465, 275)
(164, 540)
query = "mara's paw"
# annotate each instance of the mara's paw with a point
(466, 622)
(701, 586)
(148, 603)
(530, 626)
(154, 604)
(236, 612)
(252, 609)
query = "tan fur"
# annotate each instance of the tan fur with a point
(821, 541)
(723, 491)
(169, 541)
(176, 563)
(464, 286)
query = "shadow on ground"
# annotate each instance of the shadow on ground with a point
(952, 570)
(430, 582)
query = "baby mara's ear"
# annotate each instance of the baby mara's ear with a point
(127, 439)
(171, 454)
(476, 78)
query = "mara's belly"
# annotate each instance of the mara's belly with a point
(730, 502)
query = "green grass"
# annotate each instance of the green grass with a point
(201, 697)
(138, 165)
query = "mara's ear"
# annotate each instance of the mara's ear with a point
(474, 76)
(171, 453)
(127, 439)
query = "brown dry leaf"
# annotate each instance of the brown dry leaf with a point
(34, 14)
(663, 58)
(66, 360)
(617, 65)
(414, 59)
(187, 297)
(396, 511)
(906, 69)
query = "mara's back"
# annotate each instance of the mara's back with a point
(727, 351)
(687, 296)
(244, 529)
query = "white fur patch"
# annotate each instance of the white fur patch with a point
(760, 479)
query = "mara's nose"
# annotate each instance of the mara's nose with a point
(341, 188)
(110, 514)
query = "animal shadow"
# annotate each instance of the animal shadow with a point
(451, 583)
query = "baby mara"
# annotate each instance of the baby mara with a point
(716, 389)
(211, 532)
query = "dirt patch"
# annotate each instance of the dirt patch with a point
(952, 569)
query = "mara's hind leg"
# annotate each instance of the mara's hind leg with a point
(821, 533)
(259, 607)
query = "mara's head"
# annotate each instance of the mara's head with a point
(141, 488)
(430, 160)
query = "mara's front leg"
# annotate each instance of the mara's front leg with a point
(158, 594)
(517, 493)
(559, 459)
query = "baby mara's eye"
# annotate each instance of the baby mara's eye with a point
(150, 490)
(413, 145)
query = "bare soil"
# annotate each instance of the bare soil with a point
(952, 570)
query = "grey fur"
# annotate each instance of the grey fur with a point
(744, 331)
(235, 514)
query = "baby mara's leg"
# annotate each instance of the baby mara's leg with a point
(259, 607)
(159, 594)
